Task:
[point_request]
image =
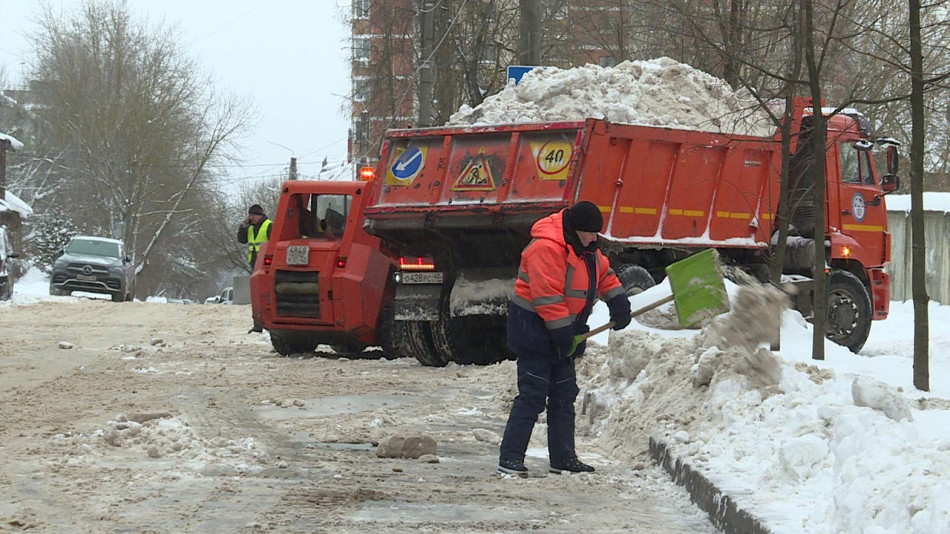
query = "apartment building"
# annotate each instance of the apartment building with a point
(386, 52)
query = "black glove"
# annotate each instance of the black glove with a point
(562, 339)
(619, 311)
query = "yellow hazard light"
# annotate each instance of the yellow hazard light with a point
(366, 173)
(846, 251)
(420, 263)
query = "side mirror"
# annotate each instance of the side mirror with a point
(893, 159)
(13, 255)
(890, 183)
(127, 259)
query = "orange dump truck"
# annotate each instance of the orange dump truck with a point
(458, 204)
(321, 279)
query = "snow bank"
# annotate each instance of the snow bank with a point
(660, 92)
(801, 447)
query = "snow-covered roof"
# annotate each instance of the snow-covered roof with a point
(11, 202)
(14, 142)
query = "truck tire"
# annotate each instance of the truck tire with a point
(414, 339)
(388, 341)
(474, 339)
(285, 347)
(635, 279)
(849, 310)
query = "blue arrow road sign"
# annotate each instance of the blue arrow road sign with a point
(408, 163)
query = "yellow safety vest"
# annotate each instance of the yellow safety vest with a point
(254, 240)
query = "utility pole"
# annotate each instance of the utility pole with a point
(529, 36)
(426, 72)
(293, 168)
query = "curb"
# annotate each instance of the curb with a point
(722, 510)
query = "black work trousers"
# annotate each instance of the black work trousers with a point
(542, 377)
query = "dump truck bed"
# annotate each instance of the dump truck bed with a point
(655, 186)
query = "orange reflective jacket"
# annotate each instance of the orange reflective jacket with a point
(553, 281)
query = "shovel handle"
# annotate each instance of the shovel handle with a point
(640, 311)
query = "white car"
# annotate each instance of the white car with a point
(226, 297)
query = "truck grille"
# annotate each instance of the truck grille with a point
(298, 293)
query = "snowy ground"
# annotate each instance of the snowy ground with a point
(842, 445)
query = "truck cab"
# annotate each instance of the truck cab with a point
(321, 279)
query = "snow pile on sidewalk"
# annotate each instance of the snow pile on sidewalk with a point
(660, 92)
(801, 447)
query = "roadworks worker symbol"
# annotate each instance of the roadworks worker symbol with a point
(553, 159)
(476, 176)
(407, 165)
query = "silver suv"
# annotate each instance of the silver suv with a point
(95, 265)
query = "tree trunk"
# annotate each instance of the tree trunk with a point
(918, 251)
(818, 138)
(529, 35)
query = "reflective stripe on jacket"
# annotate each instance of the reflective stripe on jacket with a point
(553, 281)
(254, 239)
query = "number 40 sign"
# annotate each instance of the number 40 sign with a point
(553, 159)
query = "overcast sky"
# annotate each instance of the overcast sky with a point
(288, 57)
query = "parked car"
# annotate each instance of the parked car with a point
(6, 268)
(95, 265)
(226, 297)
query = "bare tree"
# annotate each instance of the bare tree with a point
(918, 242)
(130, 128)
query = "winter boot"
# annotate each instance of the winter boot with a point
(570, 465)
(510, 466)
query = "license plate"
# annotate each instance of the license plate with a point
(298, 255)
(423, 278)
(86, 277)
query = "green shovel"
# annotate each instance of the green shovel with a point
(698, 292)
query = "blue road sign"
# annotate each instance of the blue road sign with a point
(408, 163)
(516, 72)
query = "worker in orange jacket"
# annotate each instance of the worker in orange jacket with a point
(561, 273)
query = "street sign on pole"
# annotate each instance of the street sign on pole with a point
(516, 72)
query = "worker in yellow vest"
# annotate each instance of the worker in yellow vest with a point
(255, 230)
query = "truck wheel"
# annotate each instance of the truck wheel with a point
(416, 337)
(387, 340)
(286, 348)
(474, 339)
(635, 279)
(849, 310)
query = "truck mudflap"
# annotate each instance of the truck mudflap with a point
(481, 293)
(880, 293)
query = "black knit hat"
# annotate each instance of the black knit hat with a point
(585, 216)
(256, 209)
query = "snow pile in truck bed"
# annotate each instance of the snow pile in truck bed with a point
(659, 92)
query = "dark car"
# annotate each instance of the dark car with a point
(95, 265)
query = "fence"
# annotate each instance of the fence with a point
(936, 232)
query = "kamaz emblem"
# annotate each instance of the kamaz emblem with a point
(859, 207)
